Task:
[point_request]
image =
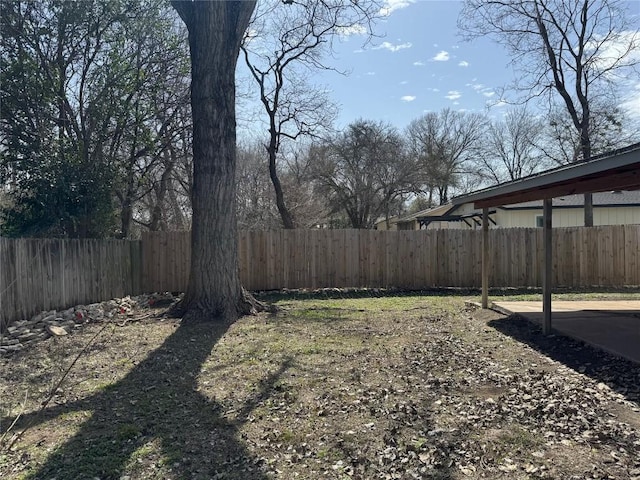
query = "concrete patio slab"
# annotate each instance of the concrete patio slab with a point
(613, 326)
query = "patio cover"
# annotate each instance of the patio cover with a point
(616, 170)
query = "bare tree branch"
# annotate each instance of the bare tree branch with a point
(282, 46)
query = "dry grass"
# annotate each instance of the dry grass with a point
(395, 387)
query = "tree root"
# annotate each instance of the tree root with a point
(249, 305)
(193, 311)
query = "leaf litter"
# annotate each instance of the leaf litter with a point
(411, 387)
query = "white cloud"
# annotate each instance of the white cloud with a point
(345, 32)
(617, 46)
(408, 98)
(480, 88)
(358, 51)
(442, 56)
(453, 95)
(370, 73)
(418, 64)
(391, 6)
(391, 47)
(403, 82)
(463, 63)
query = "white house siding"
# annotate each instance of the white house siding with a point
(383, 226)
(570, 217)
(447, 225)
(465, 209)
(616, 216)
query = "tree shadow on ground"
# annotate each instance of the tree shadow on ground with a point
(622, 375)
(157, 408)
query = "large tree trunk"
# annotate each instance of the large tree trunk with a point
(215, 29)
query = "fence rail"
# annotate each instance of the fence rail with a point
(43, 274)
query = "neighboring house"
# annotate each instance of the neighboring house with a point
(410, 222)
(609, 208)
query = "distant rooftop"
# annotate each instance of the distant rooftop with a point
(439, 210)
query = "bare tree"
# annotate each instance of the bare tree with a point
(444, 143)
(610, 128)
(216, 30)
(167, 206)
(145, 141)
(255, 201)
(255, 204)
(573, 48)
(511, 147)
(281, 48)
(364, 172)
(310, 209)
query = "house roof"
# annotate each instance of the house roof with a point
(617, 169)
(439, 211)
(618, 198)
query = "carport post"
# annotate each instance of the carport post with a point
(546, 281)
(485, 257)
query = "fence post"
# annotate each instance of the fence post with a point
(485, 257)
(548, 265)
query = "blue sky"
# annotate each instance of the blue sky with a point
(420, 64)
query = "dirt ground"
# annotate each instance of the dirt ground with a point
(395, 387)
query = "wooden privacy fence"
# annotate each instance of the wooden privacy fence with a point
(40, 274)
(595, 256)
(46, 274)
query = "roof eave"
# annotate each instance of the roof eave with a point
(561, 181)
